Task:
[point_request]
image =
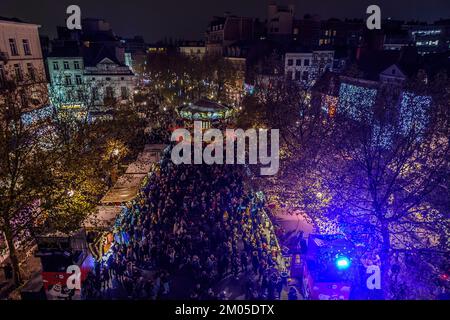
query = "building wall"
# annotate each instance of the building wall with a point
(431, 38)
(106, 80)
(110, 80)
(66, 78)
(193, 51)
(226, 31)
(24, 64)
(280, 20)
(308, 66)
(18, 32)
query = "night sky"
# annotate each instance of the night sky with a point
(187, 19)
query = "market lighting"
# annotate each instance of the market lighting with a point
(343, 263)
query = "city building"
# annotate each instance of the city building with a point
(92, 69)
(280, 20)
(136, 54)
(311, 31)
(223, 31)
(21, 58)
(307, 66)
(110, 82)
(66, 81)
(431, 38)
(306, 31)
(195, 49)
(81, 85)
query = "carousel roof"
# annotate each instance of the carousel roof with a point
(205, 105)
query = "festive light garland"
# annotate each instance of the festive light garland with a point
(413, 112)
(356, 101)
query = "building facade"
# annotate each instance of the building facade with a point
(76, 86)
(224, 31)
(66, 81)
(308, 66)
(21, 57)
(195, 49)
(110, 82)
(431, 38)
(280, 20)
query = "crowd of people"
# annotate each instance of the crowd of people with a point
(198, 225)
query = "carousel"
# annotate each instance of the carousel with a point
(206, 111)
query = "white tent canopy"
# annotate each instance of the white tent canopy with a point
(128, 185)
(104, 218)
(125, 189)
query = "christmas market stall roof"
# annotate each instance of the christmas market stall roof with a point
(125, 189)
(128, 185)
(103, 218)
(205, 109)
(146, 159)
(143, 164)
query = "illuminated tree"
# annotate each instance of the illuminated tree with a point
(25, 161)
(383, 173)
(175, 79)
(52, 168)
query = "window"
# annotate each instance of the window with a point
(298, 62)
(18, 72)
(78, 79)
(66, 65)
(124, 93)
(26, 47)
(95, 94)
(306, 63)
(297, 75)
(31, 72)
(76, 65)
(68, 80)
(290, 62)
(109, 92)
(55, 65)
(13, 47)
(108, 79)
(289, 75)
(305, 76)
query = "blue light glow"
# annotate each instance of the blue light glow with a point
(343, 263)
